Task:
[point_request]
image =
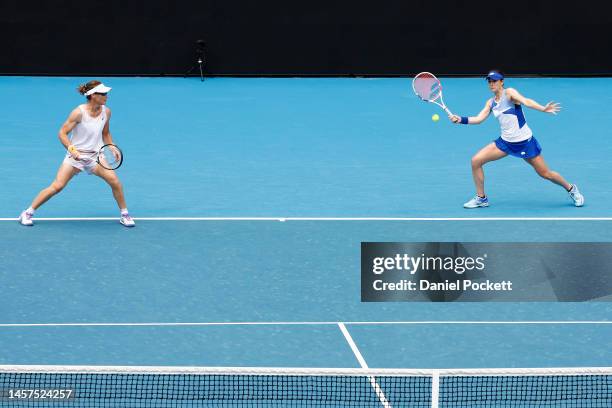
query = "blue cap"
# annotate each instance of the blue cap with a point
(494, 76)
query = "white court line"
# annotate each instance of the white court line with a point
(435, 389)
(313, 323)
(349, 339)
(353, 346)
(322, 219)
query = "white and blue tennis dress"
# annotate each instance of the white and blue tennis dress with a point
(87, 137)
(516, 138)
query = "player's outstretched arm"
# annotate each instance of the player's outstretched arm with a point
(550, 107)
(473, 120)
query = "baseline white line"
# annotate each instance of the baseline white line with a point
(322, 219)
(151, 219)
(322, 323)
(349, 339)
(485, 322)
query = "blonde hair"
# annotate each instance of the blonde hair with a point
(83, 88)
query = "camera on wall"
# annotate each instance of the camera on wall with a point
(201, 49)
(200, 55)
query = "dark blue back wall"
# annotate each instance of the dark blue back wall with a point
(356, 37)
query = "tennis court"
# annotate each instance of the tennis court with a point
(252, 197)
(327, 147)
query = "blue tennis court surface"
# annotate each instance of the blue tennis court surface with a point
(265, 271)
(305, 147)
(287, 148)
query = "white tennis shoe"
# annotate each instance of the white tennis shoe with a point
(477, 202)
(576, 196)
(26, 219)
(127, 221)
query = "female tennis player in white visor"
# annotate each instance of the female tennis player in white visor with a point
(90, 127)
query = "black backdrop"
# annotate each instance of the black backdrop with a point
(312, 37)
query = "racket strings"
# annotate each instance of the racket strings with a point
(110, 157)
(427, 87)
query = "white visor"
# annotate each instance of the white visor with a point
(98, 89)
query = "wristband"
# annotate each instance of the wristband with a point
(465, 120)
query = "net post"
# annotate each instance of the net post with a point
(435, 389)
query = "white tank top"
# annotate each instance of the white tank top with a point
(87, 134)
(511, 119)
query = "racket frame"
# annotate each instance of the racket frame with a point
(120, 156)
(98, 153)
(440, 96)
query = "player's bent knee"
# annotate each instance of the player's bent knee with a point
(57, 186)
(476, 162)
(115, 184)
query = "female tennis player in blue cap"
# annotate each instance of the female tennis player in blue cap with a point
(516, 138)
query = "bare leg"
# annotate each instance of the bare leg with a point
(113, 181)
(64, 174)
(543, 171)
(488, 153)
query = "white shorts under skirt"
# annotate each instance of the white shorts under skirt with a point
(87, 165)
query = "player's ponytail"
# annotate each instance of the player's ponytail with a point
(83, 88)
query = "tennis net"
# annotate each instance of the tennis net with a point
(95, 386)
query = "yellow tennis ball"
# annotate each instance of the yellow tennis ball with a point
(435, 117)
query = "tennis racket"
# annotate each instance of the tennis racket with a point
(109, 156)
(429, 88)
